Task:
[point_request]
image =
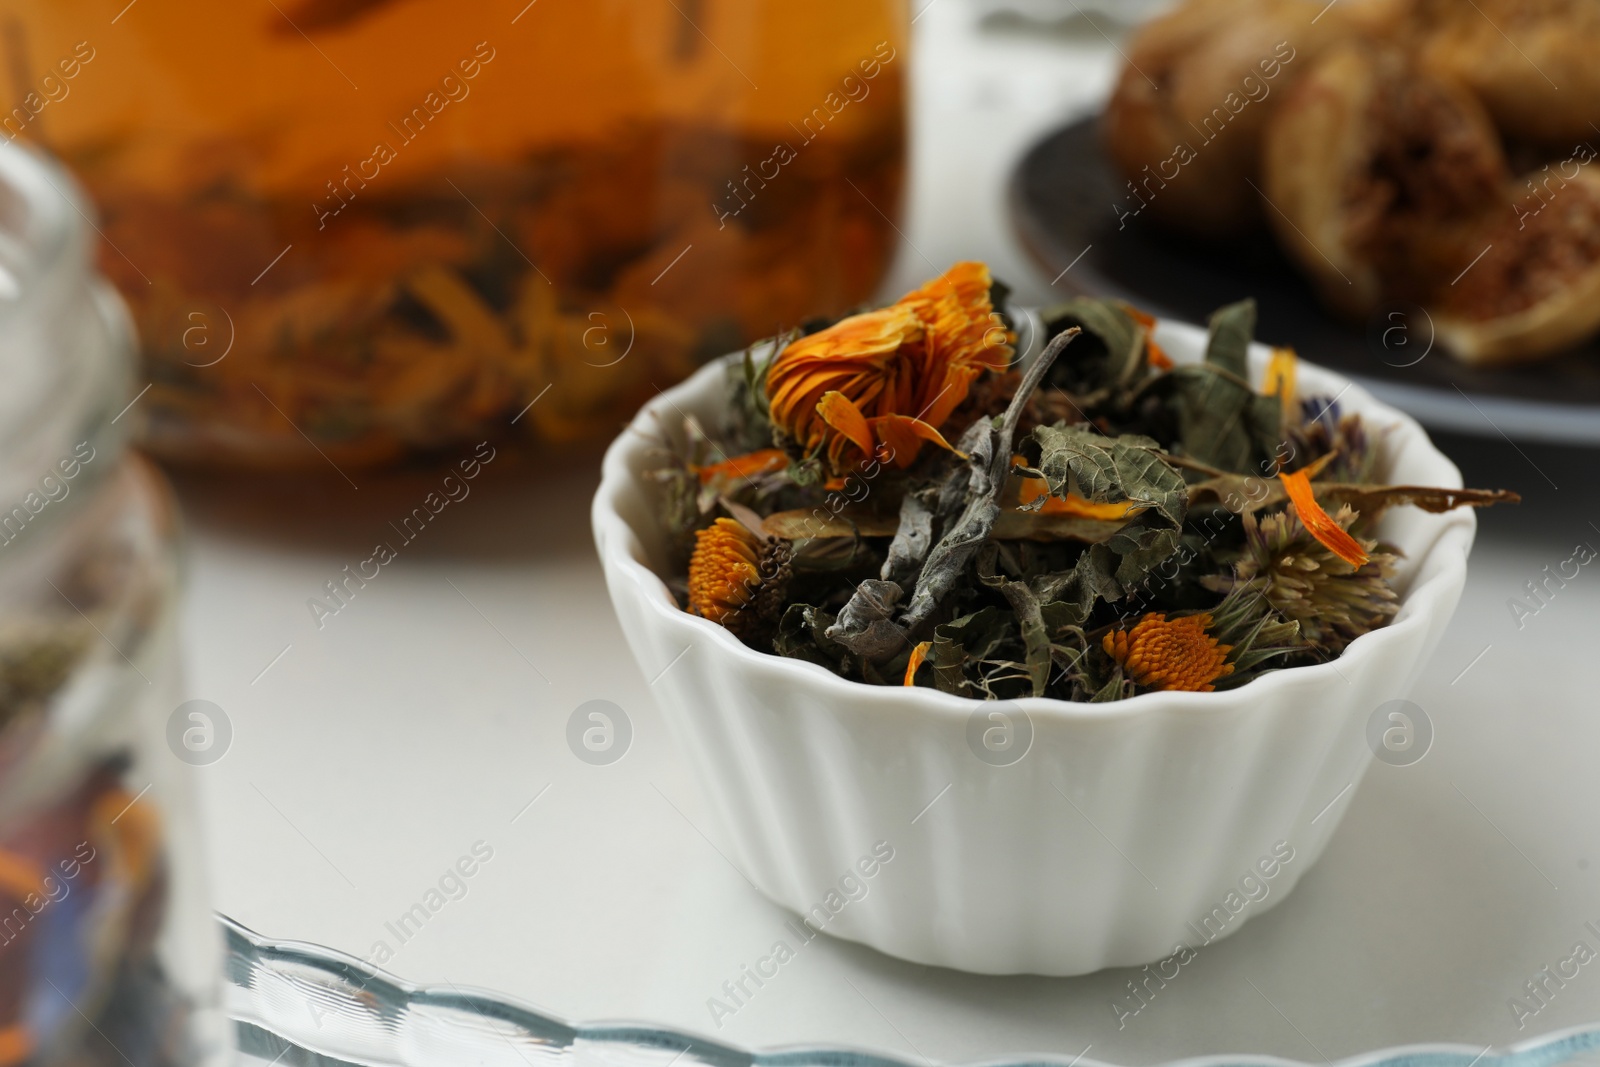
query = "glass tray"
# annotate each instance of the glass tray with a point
(305, 1006)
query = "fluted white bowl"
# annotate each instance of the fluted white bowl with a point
(1126, 833)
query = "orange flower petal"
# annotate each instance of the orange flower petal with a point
(967, 282)
(1080, 508)
(1143, 318)
(790, 393)
(904, 436)
(857, 337)
(958, 379)
(840, 412)
(1319, 523)
(1147, 322)
(918, 655)
(1032, 489)
(1029, 489)
(1279, 379)
(961, 323)
(761, 461)
(1318, 465)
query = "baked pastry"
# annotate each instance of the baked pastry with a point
(1185, 121)
(1376, 145)
(1531, 62)
(1381, 178)
(1389, 184)
(1536, 288)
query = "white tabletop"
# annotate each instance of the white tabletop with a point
(370, 754)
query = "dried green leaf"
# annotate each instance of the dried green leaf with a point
(802, 634)
(1035, 634)
(913, 538)
(749, 422)
(1140, 549)
(1116, 688)
(1231, 329)
(1109, 470)
(989, 461)
(1221, 422)
(1061, 620)
(1111, 351)
(971, 639)
(1072, 594)
(866, 624)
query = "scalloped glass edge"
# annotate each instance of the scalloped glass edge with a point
(302, 1005)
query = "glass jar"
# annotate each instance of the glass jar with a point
(378, 227)
(108, 953)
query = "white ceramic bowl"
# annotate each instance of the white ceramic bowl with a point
(1126, 833)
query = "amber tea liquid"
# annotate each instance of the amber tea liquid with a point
(394, 225)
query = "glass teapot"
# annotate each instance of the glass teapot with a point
(355, 230)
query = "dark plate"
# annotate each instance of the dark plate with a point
(1066, 199)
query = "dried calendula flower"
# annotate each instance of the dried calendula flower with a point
(1177, 654)
(883, 382)
(738, 579)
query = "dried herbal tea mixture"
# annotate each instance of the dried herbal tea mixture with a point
(87, 885)
(893, 497)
